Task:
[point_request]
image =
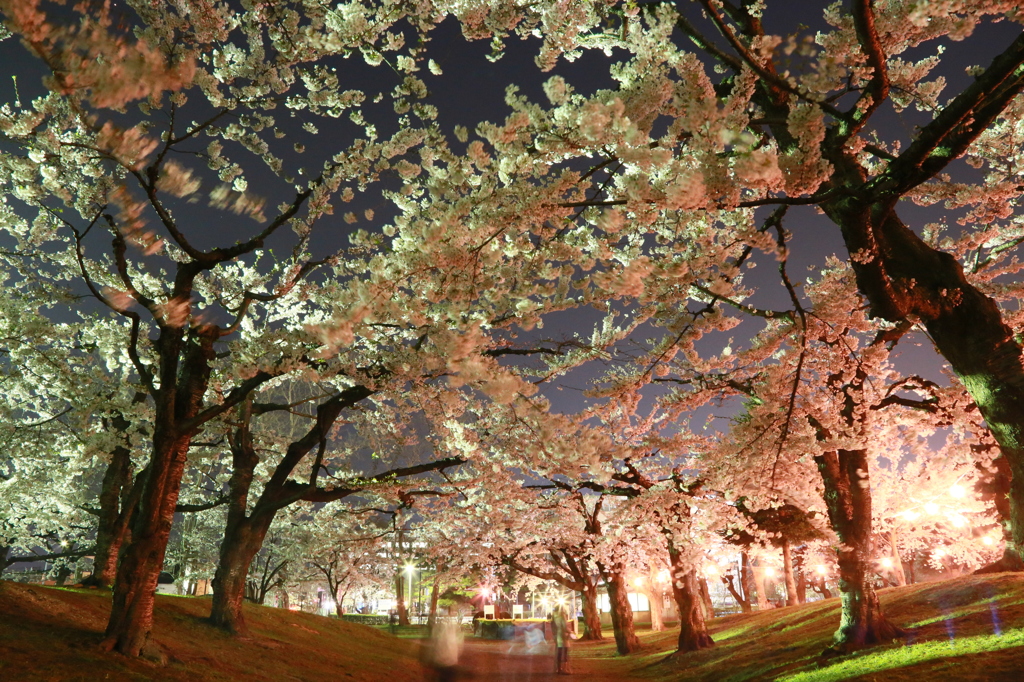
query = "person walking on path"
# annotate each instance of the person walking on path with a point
(560, 630)
(444, 649)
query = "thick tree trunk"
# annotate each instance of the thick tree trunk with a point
(591, 616)
(903, 277)
(693, 630)
(243, 535)
(131, 617)
(848, 498)
(241, 543)
(792, 594)
(113, 526)
(626, 641)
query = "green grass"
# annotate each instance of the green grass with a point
(912, 654)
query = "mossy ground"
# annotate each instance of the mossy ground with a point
(969, 628)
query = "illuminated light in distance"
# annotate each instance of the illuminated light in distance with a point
(957, 491)
(663, 576)
(769, 572)
(959, 521)
(886, 562)
(820, 569)
(987, 540)
(938, 553)
(931, 508)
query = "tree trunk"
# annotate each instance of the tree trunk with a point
(897, 562)
(131, 617)
(339, 604)
(654, 599)
(114, 518)
(800, 569)
(744, 603)
(746, 578)
(792, 595)
(762, 591)
(848, 498)
(591, 616)
(403, 612)
(705, 598)
(241, 543)
(243, 535)
(903, 277)
(626, 641)
(693, 631)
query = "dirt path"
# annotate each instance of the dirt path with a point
(496, 661)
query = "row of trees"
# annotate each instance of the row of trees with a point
(187, 328)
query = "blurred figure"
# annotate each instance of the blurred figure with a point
(560, 630)
(444, 648)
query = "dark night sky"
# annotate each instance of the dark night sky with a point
(472, 89)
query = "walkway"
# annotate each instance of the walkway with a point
(497, 661)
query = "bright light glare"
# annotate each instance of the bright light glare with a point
(987, 540)
(638, 581)
(886, 562)
(663, 576)
(959, 521)
(911, 515)
(484, 592)
(820, 569)
(711, 569)
(938, 553)
(409, 568)
(957, 491)
(931, 508)
(769, 572)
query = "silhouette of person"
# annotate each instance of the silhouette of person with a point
(560, 630)
(444, 649)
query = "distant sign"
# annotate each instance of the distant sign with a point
(488, 610)
(517, 610)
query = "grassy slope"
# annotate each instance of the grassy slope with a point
(52, 634)
(969, 628)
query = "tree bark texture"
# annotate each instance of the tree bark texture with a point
(792, 594)
(241, 543)
(131, 617)
(113, 525)
(693, 630)
(848, 499)
(591, 615)
(626, 641)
